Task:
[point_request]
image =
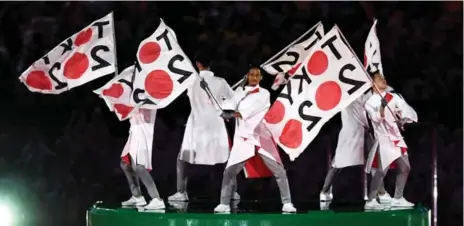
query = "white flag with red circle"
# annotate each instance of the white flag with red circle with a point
(81, 58)
(162, 70)
(287, 61)
(329, 79)
(372, 56)
(117, 94)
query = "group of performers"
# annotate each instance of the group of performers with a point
(375, 119)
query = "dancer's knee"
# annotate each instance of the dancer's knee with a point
(403, 165)
(229, 173)
(380, 172)
(405, 169)
(124, 165)
(139, 169)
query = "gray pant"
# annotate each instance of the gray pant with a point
(133, 173)
(369, 141)
(229, 181)
(382, 185)
(182, 177)
(333, 172)
(403, 168)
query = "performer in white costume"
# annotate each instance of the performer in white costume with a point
(206, 141)
(249, 106)
(392, 148)
(352, 141)
(350, 145)
(136, 160)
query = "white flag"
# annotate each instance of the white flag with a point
(330, 78)
(372, 56)
(284, 64)
(81, 58)
(162, 70)
(117, 94)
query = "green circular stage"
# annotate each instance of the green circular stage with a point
(111, 215)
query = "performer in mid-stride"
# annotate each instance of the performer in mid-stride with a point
(388, 113)
(249, 106)
(205, 141)
(136, 160)
(354, 138)
(350, 144)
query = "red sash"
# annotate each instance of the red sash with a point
(375, 163)
(254, 166)
(127, 160)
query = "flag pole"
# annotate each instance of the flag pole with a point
(329, 159)
(115, 53)
(372, 81)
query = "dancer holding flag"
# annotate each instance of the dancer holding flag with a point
(354, 138)
(373, 64)
(383, 109)
(205, 140)
(350, 145)
(249, 106)
(136, 160)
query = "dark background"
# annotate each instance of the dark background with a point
(60, 153)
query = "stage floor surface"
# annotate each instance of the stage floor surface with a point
(255, 213)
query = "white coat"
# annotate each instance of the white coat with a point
(386, 130)
(206, 141)
(252, 103)
(140, 142)
(350, 145)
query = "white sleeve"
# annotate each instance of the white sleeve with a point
(226, 91)
(257, 107)
(373, 114)
(406, 111)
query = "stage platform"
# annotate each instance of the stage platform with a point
(255, 214)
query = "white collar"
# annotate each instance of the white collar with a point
(206, 73)
(248, 88)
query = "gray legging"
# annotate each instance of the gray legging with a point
(403, 166)
(133, 173)
(369, 141)
(230, 173)
(333, 172)
(182, 177)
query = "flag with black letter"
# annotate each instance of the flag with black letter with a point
(372, 57)
(162, 70)
(285, 63)
(117, 93)
(81, 58)
(329, 79)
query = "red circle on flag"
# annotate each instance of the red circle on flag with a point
(76, 66)
(276, 113)
(292, 134)
(83, 37)
(292, 71)
(159, 84)
(328, 95)
(318, 63)
(38, 80)
(149, 52)
(123, 110)
(116, 90)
